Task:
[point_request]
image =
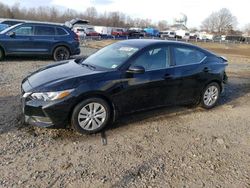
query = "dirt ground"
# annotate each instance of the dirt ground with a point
(168, 147)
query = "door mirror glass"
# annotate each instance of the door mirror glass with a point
(136, 70)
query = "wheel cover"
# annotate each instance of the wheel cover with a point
(211, 95)
(92, 116)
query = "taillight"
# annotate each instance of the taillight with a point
(77, 38)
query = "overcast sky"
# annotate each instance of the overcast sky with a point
(196, 10)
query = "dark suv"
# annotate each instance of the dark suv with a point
(39, 39)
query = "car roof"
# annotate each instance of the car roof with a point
(143, 43)
(44, 24)
(148, 42)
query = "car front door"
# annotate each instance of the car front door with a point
(18, 40)
(189, 72)
(154, 87)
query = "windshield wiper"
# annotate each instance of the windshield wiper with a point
(88, 65)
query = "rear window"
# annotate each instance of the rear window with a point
(185, 55)
(60, 31)
(44, 30)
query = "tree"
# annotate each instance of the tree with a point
(91, 13)
(247, 29)
(162, 25)
(220, 22)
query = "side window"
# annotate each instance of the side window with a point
(185, 55)
(153, 59)
(44, 30)
(60, 31)
(24, 30)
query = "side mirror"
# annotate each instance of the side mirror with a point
(12, 34)
(136, 70)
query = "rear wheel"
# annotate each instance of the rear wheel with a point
(210, 95)
(91, 115)
(1, 54)
(61, 53)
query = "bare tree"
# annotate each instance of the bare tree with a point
(91, 14)
(247, 29)
(221, 22)
(162, 25)
(52, 14)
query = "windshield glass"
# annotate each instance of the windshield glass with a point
(111, 56)
(9, 28)
(3, 27)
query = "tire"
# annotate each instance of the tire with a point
(85, 122)
(210, 95)
(61, 53)
(1, 54)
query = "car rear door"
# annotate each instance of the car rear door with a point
(189, 72)
(155, 87)
(43, 39)
(18, 40)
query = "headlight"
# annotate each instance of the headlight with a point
(51, 96)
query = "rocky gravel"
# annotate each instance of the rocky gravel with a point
(167, 147)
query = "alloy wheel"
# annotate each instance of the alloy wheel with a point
(211, 95)
(92, 116)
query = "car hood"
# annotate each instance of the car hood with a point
(59, 76)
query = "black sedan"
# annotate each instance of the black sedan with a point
(88, 94)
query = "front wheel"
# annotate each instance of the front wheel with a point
(61, 53)
(90, 116)
(210, 95)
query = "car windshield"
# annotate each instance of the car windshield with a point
(9, 29)
(112, 56)
(3, 27)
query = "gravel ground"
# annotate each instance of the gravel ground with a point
(168, 147)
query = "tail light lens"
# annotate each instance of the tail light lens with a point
(77, 37)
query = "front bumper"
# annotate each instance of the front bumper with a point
(52, 114)
(39, 121)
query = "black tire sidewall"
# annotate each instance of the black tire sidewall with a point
(74, 118)
(203, 92)
(57, 49)
(1, 54)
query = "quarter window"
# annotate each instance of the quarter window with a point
(60, 31)
(44, 30)
(185, 56)
(24, 30)
(157, 58)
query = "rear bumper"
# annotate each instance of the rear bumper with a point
(76, 51)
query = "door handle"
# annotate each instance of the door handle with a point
(206, 69)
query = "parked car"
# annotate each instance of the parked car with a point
(118, 32)
(80, 32)
(167, 34)
(152, 32)
(39, 39)
(3, 27)
(136, 32)
(122, 78)
(90, 31)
